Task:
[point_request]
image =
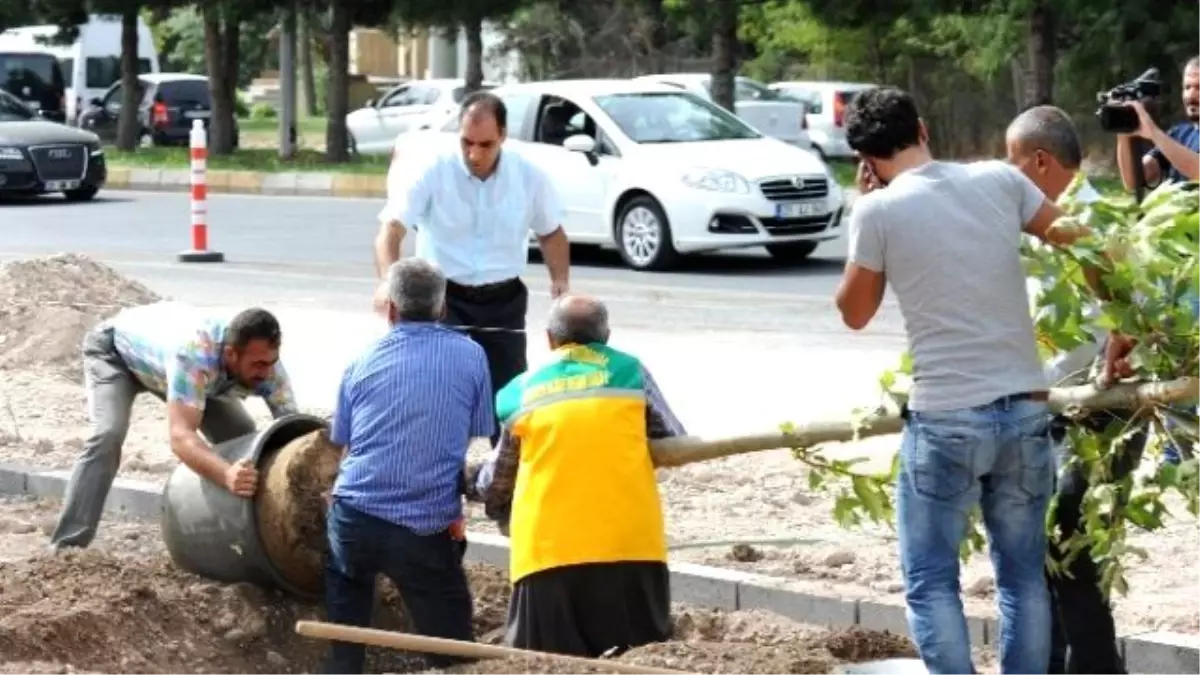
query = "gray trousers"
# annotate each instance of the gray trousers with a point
(111, 390)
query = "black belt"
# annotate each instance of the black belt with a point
(1039, 396)
(482, 291)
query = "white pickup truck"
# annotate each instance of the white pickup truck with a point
(765, 110)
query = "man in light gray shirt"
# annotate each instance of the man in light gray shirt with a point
(946, 237)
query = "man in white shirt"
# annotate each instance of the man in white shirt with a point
(473, 209)
(1044, 144)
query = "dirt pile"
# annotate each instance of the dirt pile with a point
(98, 612)
(48, 304)
(291, 510)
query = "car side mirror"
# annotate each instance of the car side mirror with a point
(580, 143)
(97, 103)
(370, 103)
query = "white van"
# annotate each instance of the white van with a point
(93, 63)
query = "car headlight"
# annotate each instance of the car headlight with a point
(717, 180)
(11, 153)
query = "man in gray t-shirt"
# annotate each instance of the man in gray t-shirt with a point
(946, 237)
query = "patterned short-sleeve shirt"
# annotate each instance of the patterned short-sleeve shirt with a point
(174, 350)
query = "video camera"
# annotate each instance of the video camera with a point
(1115, 116)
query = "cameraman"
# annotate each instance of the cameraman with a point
(1176, 153)
(1176, 156)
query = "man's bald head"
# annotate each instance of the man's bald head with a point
(1051, 130)
(577, 319)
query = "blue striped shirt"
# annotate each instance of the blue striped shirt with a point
(1186, 134)
(406, 412)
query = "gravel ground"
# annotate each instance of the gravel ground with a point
(753, 513)
(121, 606)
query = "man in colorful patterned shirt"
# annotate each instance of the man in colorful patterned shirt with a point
(201, 366)
(589, 554)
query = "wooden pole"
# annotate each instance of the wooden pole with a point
(672, 452)
(447, 647)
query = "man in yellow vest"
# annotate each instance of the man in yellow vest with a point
(573, 468)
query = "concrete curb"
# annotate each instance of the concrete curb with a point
(300, 183)
(1152, 652)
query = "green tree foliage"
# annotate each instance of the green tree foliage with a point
(1149, 260)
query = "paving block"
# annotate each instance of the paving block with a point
(314, 183)
(46, 484)
(1162, 652)
(175, 179)
(491, 549)
(217, 181)
(824, 610)
(245, 182)
(705, 586)
(145, 178)
(117, 178)
(348, 185)
(882, 616)
(12, 479)
(279, 183)
(135, 499)
(376, 186)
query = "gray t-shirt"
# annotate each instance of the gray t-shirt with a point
(948, 238)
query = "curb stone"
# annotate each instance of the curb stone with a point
(297, 183)
(1150, 652)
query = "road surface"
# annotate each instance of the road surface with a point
(316, 252)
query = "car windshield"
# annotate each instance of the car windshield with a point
(670, 117)
(29, 75)
(12, 110)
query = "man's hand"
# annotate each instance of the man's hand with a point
(241, 478)
(1146, 126)
(558, 288)
(381, 301)
(1116, 359)
(458, 530)
(865, 179)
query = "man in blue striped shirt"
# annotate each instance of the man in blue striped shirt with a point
(406, 412)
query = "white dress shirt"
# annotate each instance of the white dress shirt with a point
(476, 231)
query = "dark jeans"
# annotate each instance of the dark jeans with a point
(1084, 635)
(427, 570)
(499, 305)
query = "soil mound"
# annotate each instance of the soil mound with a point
(291, 510)
(48, 304)
(91, 611)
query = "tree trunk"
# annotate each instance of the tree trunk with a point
(304, 63)
(724, 53)
(129, 122)
(220, 133)
(230, 50)
(1043, 55)
(473, 74)
(338, 97)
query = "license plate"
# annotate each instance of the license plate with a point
(197, 114)
(60, 185)
(799, 209)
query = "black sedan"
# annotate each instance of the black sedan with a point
(38, 156)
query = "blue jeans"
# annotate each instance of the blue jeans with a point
(1171, 454)
(427, 570)
(997, 455)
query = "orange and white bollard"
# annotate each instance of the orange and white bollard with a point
(199, 149)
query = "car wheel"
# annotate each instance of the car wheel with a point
(83, 194)
(146, 141)
(792, 252)
(644, 236)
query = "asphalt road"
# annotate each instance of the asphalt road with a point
(310, 251)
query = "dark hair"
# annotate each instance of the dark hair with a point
(253, 324)
(487, 102)
(881, 122)
(1049, 128)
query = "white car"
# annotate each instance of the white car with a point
(659, 172)
(765, 110)
(407, 107)
(826, 101)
